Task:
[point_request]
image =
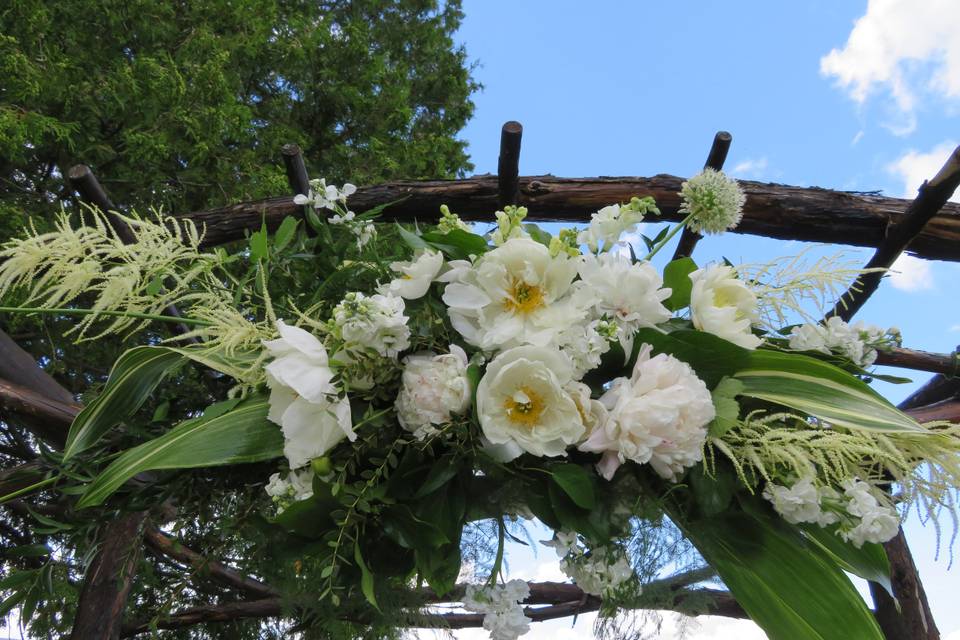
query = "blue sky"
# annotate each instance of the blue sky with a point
(838, 94)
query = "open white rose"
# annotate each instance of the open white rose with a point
(516, 294)
(303, 398)
(432, 388)
(722, 304)
(415, 276)
(523, 406)
(658, 415)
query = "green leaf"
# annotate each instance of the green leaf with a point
(792, 590)
(285, 233)
(727, 408)
(413, 240)
(242, 434)
(676, 276)
(711, 357)
(366, 577)
(442, 471)
(457, 243)
(537, 234)
(132, 380)
(440, 567)
(713, 493)
(821, 390)
(28, 551)
(259, 244)
(870, 561)
(576, 482)
(155, 286)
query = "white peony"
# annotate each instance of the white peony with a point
(372, 323)
(523, 406)
(415, 276)
(627, 292)
(432, 388)
(516, 294)
(303, 398)
(722, 304)
(659, 415)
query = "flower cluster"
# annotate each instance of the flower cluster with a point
(324, 196)
(599, 571)
(503, 615)
(858, 342)
(713, 201)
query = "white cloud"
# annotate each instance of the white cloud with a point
(857, 138)
(904, 47)
(750, 168)
(914, 167)
(911, 274)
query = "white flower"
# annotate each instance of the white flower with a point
(609, 223)
(877, 522)
(516, 294)
(324, 196)
(563, 542)
(600, 572)
(659, 415)
(715, 201)
(809, 337)
(303, 398)
(500, 604)
(416, 275)
(297, 486)
(372, 323)
(629, 293)
(858, 343)
(722, 304)
(522, 404)
(584, 345)
(592, 412)
(433, 387)
(509, 225)
(796, 504)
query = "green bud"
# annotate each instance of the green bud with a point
(321, 466)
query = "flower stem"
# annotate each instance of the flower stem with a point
(668, 237)
(31, 488)
(123, 314)
(498, 562)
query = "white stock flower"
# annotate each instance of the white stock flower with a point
(303, 398)
(722, 304)
(415, 276)
(584, 344)
(297, 486)
(372, 323)
(600, 572)
(715, 201)
(607, 226)
(858, 342)
(516, 294)
(795, 504)
(877, 522)
(629, 293)
(659, 415)
(432, 388)
(523, 406)
(500, 604)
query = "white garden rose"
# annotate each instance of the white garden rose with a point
(722, 304)
(303, 398)
(415, 276)
(516, 294)
(629, 293)
(523, 406)
(372, 324)
(432, 389)
(658, 415)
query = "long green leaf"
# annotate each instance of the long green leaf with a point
(133, 378)
(788, 587)
(821, 390)
(241, 435)
(870, 561)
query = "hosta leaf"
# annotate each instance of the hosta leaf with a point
(242, 434)
(133, 378)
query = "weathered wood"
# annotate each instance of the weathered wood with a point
(296, 169)
(948, 410)
(48, 418)
(918, 360)
(245, 609)
(108, 580)
(772, 210)
(508, 164)
(914, 620)
(932, 196)
(715, 159)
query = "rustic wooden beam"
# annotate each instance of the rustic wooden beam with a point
(917, 360)
(296, 168)
(948, 410)
(932, 196)
(48, 418)
(508, 164)
(715, 159)
(772, 210)
(108, 579)
(161, 543)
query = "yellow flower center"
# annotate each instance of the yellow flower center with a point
(524, 407)
(523, 298)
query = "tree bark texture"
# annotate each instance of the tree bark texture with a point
(773, 210)
(914, 621)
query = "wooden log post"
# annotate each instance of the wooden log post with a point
(715, 159)
(508, 164)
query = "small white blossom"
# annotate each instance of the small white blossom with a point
(714, 200)
(800, 502)
(324, 196)
(610, 223)
(509, 225)
(415, 276)
(722, 304)
(659, 415)
(500, 604)
(372, 323)
(297, 486)
(433, 388)
(523, 406)
(877, 522)
(599, 572)
(585, 344)
(858, 342)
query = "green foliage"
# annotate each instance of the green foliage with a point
(185, 105)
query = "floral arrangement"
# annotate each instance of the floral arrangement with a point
(435, 379)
